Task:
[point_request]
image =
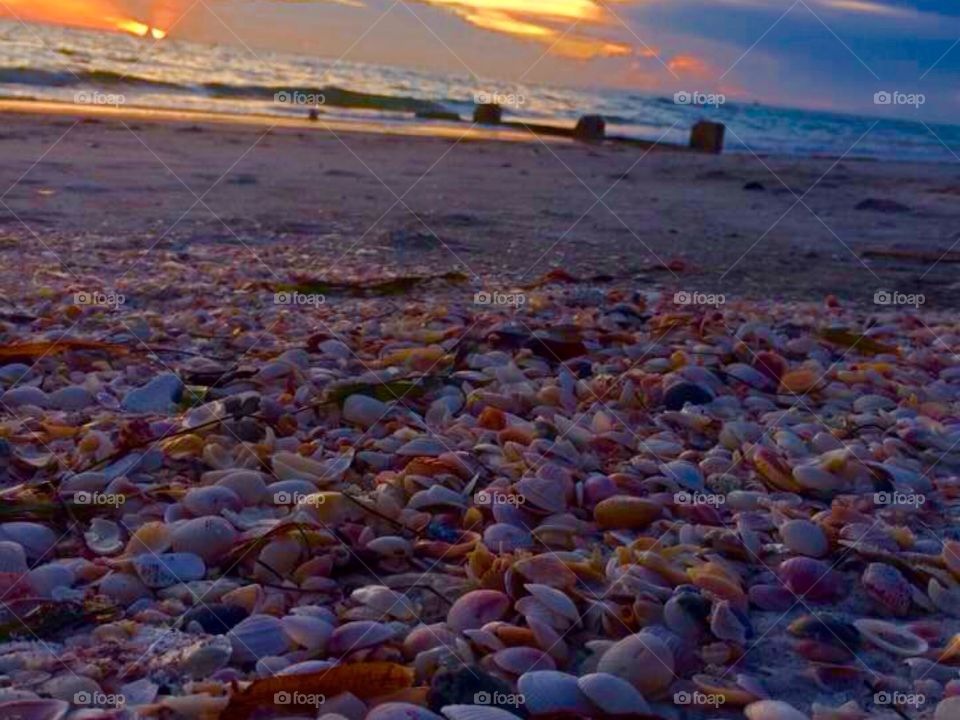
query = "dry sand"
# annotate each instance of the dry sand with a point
(493, 208)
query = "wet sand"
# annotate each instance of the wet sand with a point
(501, 211)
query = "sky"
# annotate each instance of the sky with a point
(822, 54)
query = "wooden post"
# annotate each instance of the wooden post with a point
(487, 113)
(590, 127)
(707, 137)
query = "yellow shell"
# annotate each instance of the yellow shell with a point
(184, 446)
(152, 537)
(799, 381)
(625, 512)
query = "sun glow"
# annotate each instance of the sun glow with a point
(93, 14)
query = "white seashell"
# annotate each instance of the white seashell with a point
(554, 600)
(363, 410)
(104, 537)
(210, 537)
(892, 638)
(307, 667)
(613, 695)
(306, 631)
(158, 571)
(247, 484)
(385, 601)
(476, 712)
(549, 692)
(503, 537)
(13, 559)
(519, 660)
(37, 540)
(476, 608)
(210, 500)
(358, 635)
(439, 497)
(73, 688)
(423, 446)
(256, 637)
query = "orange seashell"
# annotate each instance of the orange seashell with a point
(516, 434)
(472, 519)
(712, 577)
(626, 512)
(492, 418)
(951, 556)
(514, 636)
(657, 563)
(799, 381)
(547, 570)
(731, 693)
(774, 470)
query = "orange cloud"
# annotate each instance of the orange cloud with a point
(555, 23)
(93, 14)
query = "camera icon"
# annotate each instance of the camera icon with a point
(83, 497)
(82, 298)
(282, 97)
(82, 698)
(682, 98)
(282, 498)
(481, 698)
(482, 98)
(682, 498)
(882, 98)
(482, 298)
(882, 498)
(682, 698)
(281, 698)
(483, 498)
(882, 297)
(682, 298)
(283, 298)
(882, 698)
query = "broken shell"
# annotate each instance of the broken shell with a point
(890, 637)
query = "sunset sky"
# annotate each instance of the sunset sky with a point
(807, 53)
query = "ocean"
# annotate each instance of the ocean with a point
(67, 65)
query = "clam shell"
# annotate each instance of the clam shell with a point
(476, 609)
(554, 600)
(549, 692)
(104, 537)
(207, 657)
(307, 631)
(36, 539)
(892, 638)
(13, 559)
(476, 712)
(887, 585)
(159, 571)
(401, 711)
(773, 710)
(256, 637)
(34, 709)
(613, 695)
(520, 660)
(364, 410)
(805, 538)
(211, 500)
(123, 589)
(358, 635)
(209, 537)
(643, 660)
(626, 512)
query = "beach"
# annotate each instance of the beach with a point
(501, 211)
(308, 419)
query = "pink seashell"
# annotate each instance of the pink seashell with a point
(772, 710)
(811, 579)
(476, 609)
(554, 600)
(888, 587)
(597, 488)
(519, 660)
(501, 537)
(426, 637)
(612, 695)
(643, 660)
(359, 635)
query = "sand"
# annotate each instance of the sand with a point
(500, 210)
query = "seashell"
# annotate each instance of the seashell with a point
(626, 513)
(726, 624)
(501, 537)
(34, 709)
(826, 628)
(206, 657)
(732, 693)
(25, 395)
(359, 635)
(944, 599)
(36, 539)
(476, 609)
(248, 485)
(257, 637)
(437, 499)
(811, 579)
(947, 709)
(549, 692)
(159, 571)
(772, 597)
(103, 537)
(890, 637)
(306, 631)
(51, 579)
(554, 600)
(520, 660)
(210, 500)
(799, 381)
(391, 546)
(643, 660)
(151, 537)
(811, 476)
(363, 410)
(686, 613)
(718, 580)
(804, 538)
(209, 537)
(680, 394)
(160, 395)
(888, 587)
(772, 710)
(12, 558)
(684, 474)
(386, 601)
(476, 712)
(400, 710)
(613, 695)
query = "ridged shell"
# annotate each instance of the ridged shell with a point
(549, 692)
(159, 571)
(257, 637)
(476, 609)
(12, 558)
(358, 635)
(613, 695)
